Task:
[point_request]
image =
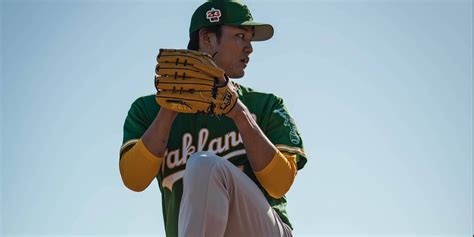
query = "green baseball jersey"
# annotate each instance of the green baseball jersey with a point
(191, 133)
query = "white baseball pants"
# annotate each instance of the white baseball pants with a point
(220, 200)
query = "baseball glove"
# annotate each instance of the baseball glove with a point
(189, 81)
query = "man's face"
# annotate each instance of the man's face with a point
(234, 50)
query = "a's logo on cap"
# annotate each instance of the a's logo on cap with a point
(213, 15)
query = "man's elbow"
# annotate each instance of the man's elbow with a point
(278, 176)
(278, 191)
(138, 168)
(134, 186)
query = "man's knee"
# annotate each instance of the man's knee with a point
(202, 161)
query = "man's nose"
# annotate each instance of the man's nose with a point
(248, 49)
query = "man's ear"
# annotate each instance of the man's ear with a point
(207, 40)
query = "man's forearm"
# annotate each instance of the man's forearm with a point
(260, 150)
(156, 136)
(275, 171)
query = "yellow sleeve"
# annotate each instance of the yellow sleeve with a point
(278, 176)
(138, 167)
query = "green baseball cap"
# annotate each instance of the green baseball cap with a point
(228, 12)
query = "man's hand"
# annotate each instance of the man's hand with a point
(238, 111)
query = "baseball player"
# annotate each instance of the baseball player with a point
(223, 154)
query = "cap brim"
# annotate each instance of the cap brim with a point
(262, 31)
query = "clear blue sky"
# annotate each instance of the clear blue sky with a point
(381, 92)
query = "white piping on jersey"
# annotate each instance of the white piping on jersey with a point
(290, 149)
(128, 143)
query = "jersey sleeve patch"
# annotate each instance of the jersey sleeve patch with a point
(280, 128)
(290, 123)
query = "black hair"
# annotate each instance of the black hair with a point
(194, 37)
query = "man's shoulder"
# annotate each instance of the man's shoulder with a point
(146, 101)
(144, 105)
